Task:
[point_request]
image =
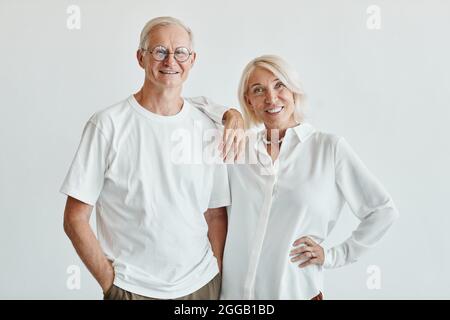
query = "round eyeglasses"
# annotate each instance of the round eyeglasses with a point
(160, 53)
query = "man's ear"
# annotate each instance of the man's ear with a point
(140, 58)
(193, 57)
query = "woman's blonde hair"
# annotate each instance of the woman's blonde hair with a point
(285, 73)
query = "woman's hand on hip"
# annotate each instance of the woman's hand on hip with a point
(308, 251)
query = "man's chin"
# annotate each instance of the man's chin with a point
(173, 85)
(170, 84)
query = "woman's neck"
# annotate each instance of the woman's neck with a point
(276, 134)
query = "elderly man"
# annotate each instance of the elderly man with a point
(161, 225)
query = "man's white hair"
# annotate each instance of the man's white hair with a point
(160, 22)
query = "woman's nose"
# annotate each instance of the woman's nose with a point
(271, 97)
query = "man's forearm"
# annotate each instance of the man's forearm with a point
(217, 231)
(90, 252)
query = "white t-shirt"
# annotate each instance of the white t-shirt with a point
(150, 207)
(300, 194)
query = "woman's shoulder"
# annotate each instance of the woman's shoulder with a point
(327, 137)
(324, 137)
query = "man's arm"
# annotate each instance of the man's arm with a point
(77, 228)
(233, 143)
(217, 231)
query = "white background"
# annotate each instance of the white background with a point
(386, 91)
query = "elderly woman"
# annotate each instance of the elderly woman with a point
(287, 201)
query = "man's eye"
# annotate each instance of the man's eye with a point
(181, 51)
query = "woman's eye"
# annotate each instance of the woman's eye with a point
(279, 85)
(257, 90)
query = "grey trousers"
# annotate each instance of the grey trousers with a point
(210, 291)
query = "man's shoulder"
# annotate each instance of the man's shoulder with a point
(110, 119)
(197, 114)
(111, 114)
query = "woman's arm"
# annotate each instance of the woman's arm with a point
(368, 200)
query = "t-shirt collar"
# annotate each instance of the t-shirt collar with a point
(153, 116)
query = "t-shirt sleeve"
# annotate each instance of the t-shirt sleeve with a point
(213, 110)
(85, 178)
(220, 194)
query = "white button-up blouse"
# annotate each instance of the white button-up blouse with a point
(301, 194)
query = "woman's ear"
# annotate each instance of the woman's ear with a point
(248, 102)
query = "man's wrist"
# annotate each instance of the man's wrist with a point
(107, 278)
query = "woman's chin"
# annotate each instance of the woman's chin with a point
(275, 121)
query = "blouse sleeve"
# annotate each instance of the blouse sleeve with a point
(367, 199)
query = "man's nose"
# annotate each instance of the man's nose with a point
(170, 59)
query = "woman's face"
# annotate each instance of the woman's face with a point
(270, 100)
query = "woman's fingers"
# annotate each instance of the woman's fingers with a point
(309, 262)
(303, 256)
(304, 240)
(307, 251)
(315, 256)
(299, 250)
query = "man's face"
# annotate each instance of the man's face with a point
(168, 73)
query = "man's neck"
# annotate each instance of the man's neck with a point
(167, 102)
